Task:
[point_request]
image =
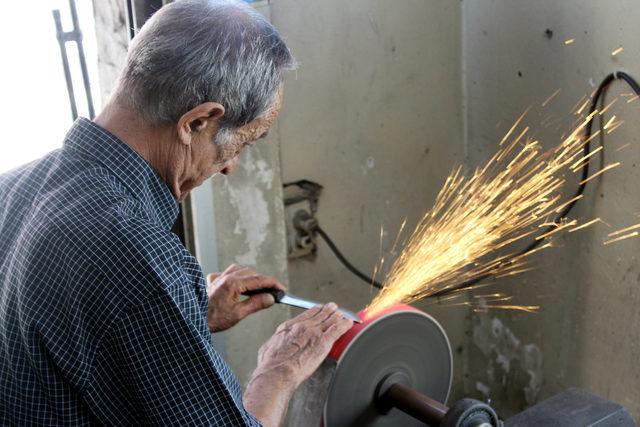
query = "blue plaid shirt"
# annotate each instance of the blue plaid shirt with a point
(102, 310)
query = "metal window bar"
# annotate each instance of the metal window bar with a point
(75, 35)
(138, 11)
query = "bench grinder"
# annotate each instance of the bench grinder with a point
(395, 369)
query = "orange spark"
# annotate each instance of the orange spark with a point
(577, 165)
(624, 230)
(555, 230)
(585, 225)
(468, 233)
(514, 127)
(587, 102)
(483, 303)
(569, 41)
(567, 203)
(476, 218)
(575, 107)
(605, 109)
(526, 308)
(600, 172)
(611, 120)
(626, 236)
(617, 51)
(622, 147)
(615, 126)
(544, 104)
(496, 295)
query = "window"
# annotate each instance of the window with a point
(34, 104)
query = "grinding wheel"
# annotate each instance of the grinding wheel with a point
(400, 341)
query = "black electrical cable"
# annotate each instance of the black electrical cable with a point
(344, 260)
(597, 96)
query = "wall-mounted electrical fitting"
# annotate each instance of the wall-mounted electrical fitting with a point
(301, 205)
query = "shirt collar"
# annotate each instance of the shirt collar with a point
(99, 145)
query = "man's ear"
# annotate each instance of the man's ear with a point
(204, 117)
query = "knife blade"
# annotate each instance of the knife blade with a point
(282, 297)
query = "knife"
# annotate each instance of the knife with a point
(284, 298)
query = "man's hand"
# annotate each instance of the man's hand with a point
(289, 357)
(226, 306)
(301, 344)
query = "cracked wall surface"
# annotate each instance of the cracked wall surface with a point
(249, 216)
(112, 39)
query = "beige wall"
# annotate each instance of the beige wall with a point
(588, 331)
(374, 115)
(112, 40)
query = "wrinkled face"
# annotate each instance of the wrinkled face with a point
(221, 156)
(230, 145)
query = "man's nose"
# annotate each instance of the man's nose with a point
(229, 166)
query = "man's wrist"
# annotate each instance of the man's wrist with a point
(279, 376)
(267, 395)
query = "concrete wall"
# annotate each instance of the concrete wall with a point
(588, 331)
(374, 115)
(112, 39)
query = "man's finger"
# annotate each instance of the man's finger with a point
(232, 268)
(306, 315)
(276, 283)
(327, 310)
(250, 283)
(337, 330)
(244, 271)
(255, 303)
(334, 318)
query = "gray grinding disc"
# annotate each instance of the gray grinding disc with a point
(410, 342)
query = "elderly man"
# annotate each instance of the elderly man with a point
(105, 318)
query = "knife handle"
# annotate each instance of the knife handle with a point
(277, 294)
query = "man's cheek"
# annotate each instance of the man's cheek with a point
(212, 170)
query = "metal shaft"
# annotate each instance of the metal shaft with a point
(75, 35)
(81, 58)
(416, 404)
(65, 63)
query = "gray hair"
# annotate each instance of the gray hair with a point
(194, 51)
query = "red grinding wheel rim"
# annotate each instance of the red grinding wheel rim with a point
(341, 344)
